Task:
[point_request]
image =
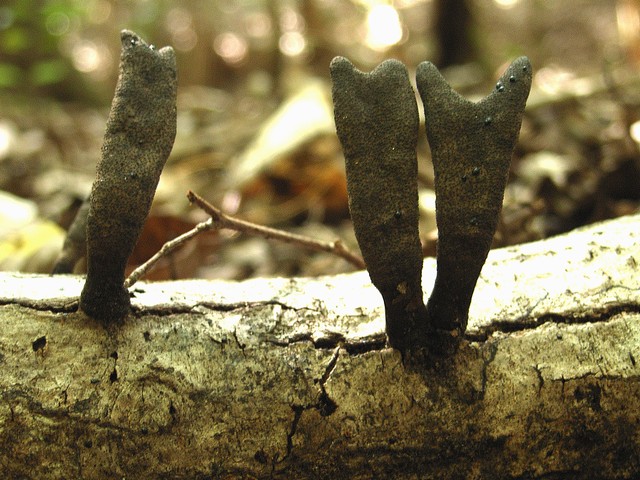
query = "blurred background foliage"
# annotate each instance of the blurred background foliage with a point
(69, 49)
(255, 128)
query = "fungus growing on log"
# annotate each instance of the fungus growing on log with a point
(471, 145)
(139, 136)
(377, 122)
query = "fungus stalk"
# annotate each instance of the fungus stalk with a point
(139, 136)
(377, 121)
(471, 145)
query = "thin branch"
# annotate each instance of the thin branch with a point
(222, 220)
(166, 249)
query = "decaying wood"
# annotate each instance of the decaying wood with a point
(289, 378)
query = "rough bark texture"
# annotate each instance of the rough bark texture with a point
(289, 378)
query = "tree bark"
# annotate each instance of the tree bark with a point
(290, 378)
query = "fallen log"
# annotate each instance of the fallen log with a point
(291, 378)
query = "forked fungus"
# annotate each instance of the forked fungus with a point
(471, 144)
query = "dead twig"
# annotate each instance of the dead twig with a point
(222, 220)
(166, 249)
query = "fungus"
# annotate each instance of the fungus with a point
(138, 139)
(473, 142)
(376, 117)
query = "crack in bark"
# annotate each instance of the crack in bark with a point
(53, 305)
(524, 323)
(241, 345)
(325, 405)
(492, 349)
(334, 340)
(35, 408)
(538, 371)
(113, 376)
(181, 308)
(297, 415)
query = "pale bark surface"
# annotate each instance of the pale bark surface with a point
(289, 378)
